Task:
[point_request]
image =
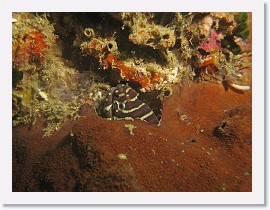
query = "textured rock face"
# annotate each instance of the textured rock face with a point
(62, 60)
(204, 140)
(198, 152)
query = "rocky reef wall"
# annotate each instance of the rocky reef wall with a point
(85, 86)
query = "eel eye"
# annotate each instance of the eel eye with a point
(121, 106)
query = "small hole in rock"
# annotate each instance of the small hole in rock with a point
(166, 36)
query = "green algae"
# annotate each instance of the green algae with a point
(16, 77)
(241, 17)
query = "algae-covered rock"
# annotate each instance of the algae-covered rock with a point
(64, 60)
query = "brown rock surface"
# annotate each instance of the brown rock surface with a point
(204, 144)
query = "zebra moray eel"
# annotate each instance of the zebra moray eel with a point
(122, 103)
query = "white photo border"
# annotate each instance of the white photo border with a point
(257, 196)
